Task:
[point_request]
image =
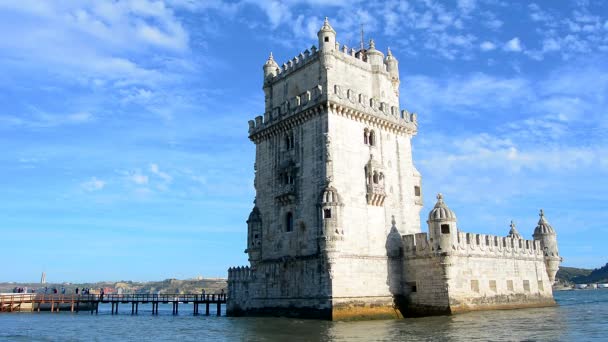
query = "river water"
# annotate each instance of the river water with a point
(581, 316)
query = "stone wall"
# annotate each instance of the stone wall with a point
(478, 272)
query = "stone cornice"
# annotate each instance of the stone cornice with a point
(281, 126)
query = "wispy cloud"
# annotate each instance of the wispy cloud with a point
(513, 45)
(93, 184)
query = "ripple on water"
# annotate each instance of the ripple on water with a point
(579, 317)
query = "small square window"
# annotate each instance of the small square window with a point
(510, 285)
(417, 191)
(493, 285)
(445, 229)
(327, 213)
(326, 39)
(475, 285)
(412, 285)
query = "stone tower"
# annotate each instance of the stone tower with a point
(333, 167)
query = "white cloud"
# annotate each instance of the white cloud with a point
(513, 45)
(93, 184)
(466, 5)
(550, 45)
(163, 175)
(487, 46)
(37, 118)
(138, 178)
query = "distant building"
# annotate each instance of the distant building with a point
(335, 232)
(43, 278)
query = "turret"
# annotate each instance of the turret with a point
(270, 68)
(254, 236)
(443, 229)
(331, 233)
(392, 66)
(513, 233)
(327, 37)
(374, 57)
(548, 242)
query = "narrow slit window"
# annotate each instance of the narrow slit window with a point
(289, 222)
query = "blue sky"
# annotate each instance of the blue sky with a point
(123, 126)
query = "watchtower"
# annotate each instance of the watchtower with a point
(333, 165)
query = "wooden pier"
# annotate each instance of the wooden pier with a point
(34, 302)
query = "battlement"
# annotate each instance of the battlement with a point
(346, 98)
(416, 245)
(239, 274)
(296, 104)
(294, 64)
(345, 101)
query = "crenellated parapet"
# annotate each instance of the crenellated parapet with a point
(298, 62)
(239, 274)
(290, 113)
(471, 244)
(374, 112)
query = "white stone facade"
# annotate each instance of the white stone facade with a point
(335, 232)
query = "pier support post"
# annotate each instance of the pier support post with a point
(207, 308)
(219, 307)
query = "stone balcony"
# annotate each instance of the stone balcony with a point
(286, 194)
(375, 194)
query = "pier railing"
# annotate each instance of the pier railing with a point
(76, 302)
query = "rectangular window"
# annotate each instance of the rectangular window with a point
(493, 285)
(326, 213)
(510, 285)
(445, 229)
(541, 287)
(412, 286)
(417, 191)
(526, 285)
(475, 286)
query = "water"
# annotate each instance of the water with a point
(580, 316)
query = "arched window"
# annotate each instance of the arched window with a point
(289, 141)
(375, 177)
(289, 222)
(365, 136)
(372, 138)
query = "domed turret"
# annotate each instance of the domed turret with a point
(548, 242)
(270, 67)
(392, 65)
(513, 233)
(441, 212)
(327, 37)
(374, 57)
(254, 236)
(330, 203)
(443, 229)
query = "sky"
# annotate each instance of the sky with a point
(123, 124)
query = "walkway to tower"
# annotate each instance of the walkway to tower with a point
(36, 302)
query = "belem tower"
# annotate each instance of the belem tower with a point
(335, 231)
